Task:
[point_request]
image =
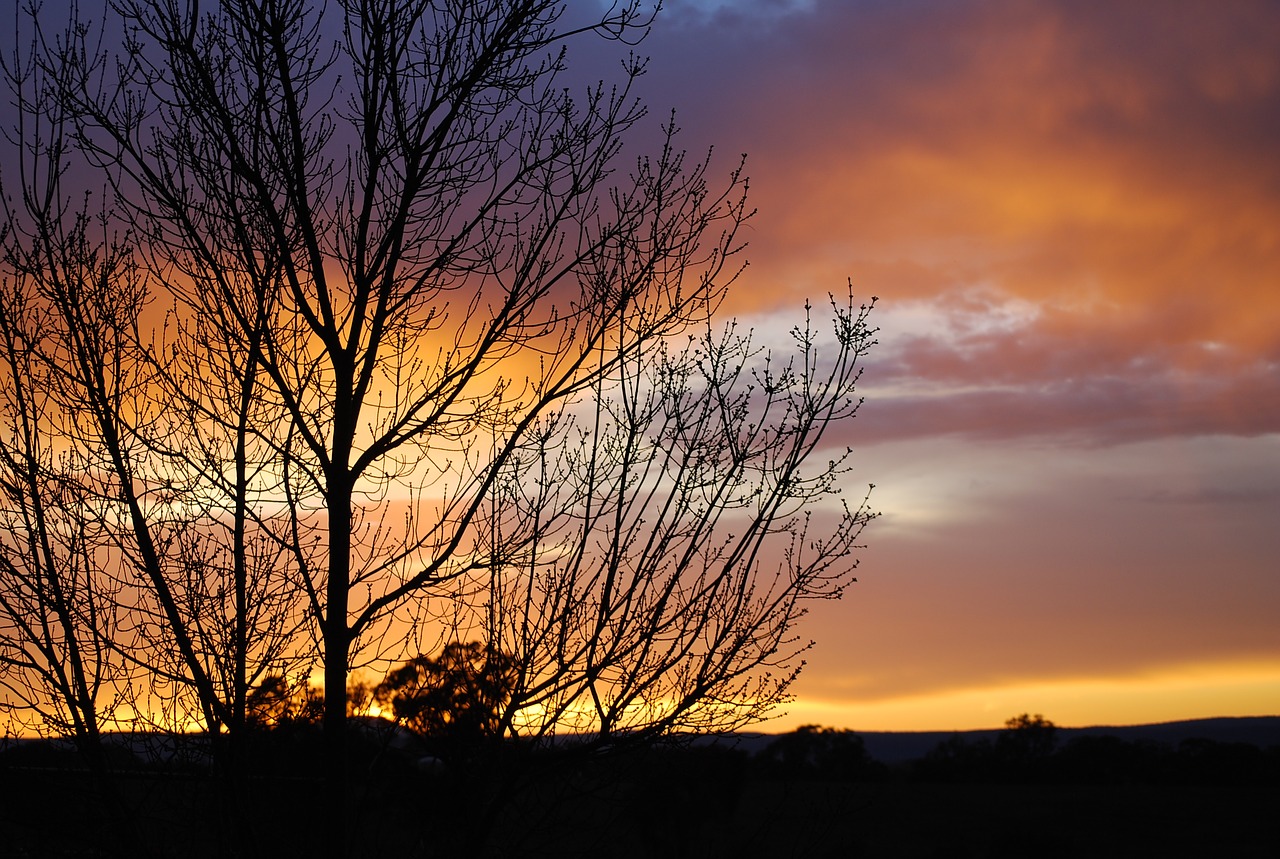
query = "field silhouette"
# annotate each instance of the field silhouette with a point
(812, 792)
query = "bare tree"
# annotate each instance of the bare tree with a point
(142, 582)
(57, 608)
(59, 615)
(651, 555)
(441, 365)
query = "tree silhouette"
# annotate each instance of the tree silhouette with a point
(58, 672)
(141, 578)
(459, 695)
(277, 703)
(437, 363)
(1027, 739)
(814, 751)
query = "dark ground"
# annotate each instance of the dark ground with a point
(1133, 799)
(774, 819)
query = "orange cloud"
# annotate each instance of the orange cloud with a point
(1071, 212)
(1112, 166)
(1025, 563)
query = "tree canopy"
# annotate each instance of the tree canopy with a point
(336, 334)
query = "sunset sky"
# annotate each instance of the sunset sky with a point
(1071, 214)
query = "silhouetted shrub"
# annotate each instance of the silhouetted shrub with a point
(457, 698)
(822, 753)
(1021, 752)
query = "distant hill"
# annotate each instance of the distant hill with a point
(887, 747)
(893, 747)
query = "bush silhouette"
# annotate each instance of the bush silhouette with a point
(460, 695)
(811, 751)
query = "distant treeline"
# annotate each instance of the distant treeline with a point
(1027, 750)
(463, 794)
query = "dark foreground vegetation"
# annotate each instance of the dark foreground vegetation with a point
(813, 792)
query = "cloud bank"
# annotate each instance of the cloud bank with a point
(1070, 210)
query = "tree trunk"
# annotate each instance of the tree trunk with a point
(336, 644)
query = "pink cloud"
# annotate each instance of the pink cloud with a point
(1109, 165)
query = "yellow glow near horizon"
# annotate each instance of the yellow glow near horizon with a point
(1191, 692)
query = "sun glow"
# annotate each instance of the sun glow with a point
(1186, 692)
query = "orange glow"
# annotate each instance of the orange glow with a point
(1195, 691)
(1069, 212)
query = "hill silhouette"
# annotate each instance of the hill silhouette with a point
(894, 747)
